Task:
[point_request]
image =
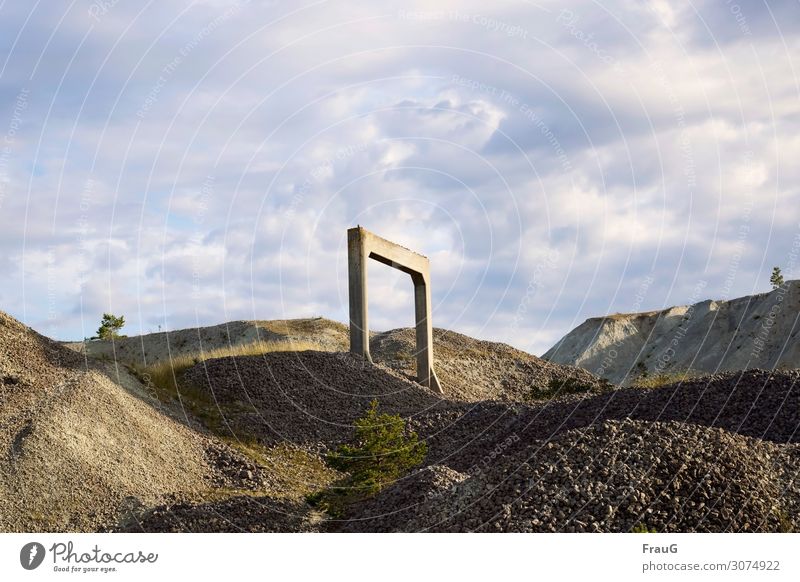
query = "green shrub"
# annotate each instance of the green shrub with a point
(384, 449)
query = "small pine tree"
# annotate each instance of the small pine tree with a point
(384, 450)
(776, 278)
(110, 326)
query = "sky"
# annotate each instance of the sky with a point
(195, 162)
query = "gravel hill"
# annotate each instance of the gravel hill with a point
(306, 398)
(474, 370)
(757, 331)
(729, 438)
(471, 369)
(614, 476)
(152, 348)
(77, 446)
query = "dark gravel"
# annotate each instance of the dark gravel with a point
(612, 477)
(241, 513)
(309, 398)
(756, 403)
(396, 505)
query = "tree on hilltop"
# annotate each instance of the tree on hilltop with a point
(776, 278)
(110, 326)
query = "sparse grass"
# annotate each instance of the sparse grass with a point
(785, 524)
(662, 379)
(556, 387)
(294, 473)
(299, 326)
(642, 528)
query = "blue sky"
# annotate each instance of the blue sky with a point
(189, 163)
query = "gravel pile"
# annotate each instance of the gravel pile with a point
(232, 470)
(242, 513)
(397, 504)
(75, 444)
(473, 370)
(613, 477)
(309, 398)
(756, 403)
(83, 446)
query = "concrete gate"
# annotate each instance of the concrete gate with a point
(363, 245)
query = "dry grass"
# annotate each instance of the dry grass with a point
(663, 379)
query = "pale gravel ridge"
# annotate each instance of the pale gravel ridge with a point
(475, 370)
(756, 331)
(153, 348)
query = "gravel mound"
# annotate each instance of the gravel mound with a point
(74, 444)
(617, 476)
(241, 513)
(84, 444)
(756, 403)
(307, 398)
(397, 504)
(473, 370)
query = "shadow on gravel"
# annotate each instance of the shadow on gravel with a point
(755, 403)
(242, 513)
(305, 398)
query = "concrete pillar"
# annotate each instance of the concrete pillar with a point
(363, 245)
(359, 315)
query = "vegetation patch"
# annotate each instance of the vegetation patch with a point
(294, 473)
(384, 449)
(650, 382)
(557, 387)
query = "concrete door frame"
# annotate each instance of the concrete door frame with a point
(363, 245)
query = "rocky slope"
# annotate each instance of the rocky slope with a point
(475, 370)
(718, 454)
(613, 476)
(80, 443)
(757, 331)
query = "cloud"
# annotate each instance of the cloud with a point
(192, 163)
